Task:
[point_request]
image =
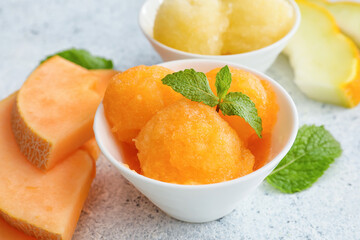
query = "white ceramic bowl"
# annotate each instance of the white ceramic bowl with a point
(202, 203)
(260, 59)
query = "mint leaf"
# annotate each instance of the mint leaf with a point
(312, 153)
(84, 59)
(192, 85)
(195, 86)
(223, 82)
(237, 103)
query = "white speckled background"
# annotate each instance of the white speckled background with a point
(30, 30)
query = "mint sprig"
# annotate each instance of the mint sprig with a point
(192, 85)
(312, 153)
(83, 58)
(195, 86)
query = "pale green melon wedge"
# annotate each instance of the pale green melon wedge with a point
(326, 63)
(347, 16)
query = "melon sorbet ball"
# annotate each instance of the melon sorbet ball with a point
(214, 27)
(192, 26)
(189, 143)
(259, 91)
(255, 24)
(133, 97)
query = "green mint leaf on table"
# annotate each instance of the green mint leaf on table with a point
(223, 82)
(84, 59)
(313, 151)
(192, 85)
(195, 86)
(237, 103)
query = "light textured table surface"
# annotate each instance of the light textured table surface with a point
(30, 30)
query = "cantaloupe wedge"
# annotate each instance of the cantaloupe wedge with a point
(92, 148)
(54, 111)
(7, 232)
(104, 75)
(326, 62)
(347, 16)
(43, 205)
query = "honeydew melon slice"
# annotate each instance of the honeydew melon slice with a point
(326, 62)
(347, 16)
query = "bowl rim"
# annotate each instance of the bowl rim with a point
(270, 165)
(276, 44)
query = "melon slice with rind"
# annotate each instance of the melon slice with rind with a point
(105, 76)
(8, 232)
(347, 16)
(54, 111)
(43, 205)
(326, 63)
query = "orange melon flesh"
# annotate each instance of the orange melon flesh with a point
(7, 232)
(43, 205)
(104, 75)
(91, 148)
(54, 111)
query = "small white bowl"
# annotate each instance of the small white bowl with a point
(260, 59)
(203, 203)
